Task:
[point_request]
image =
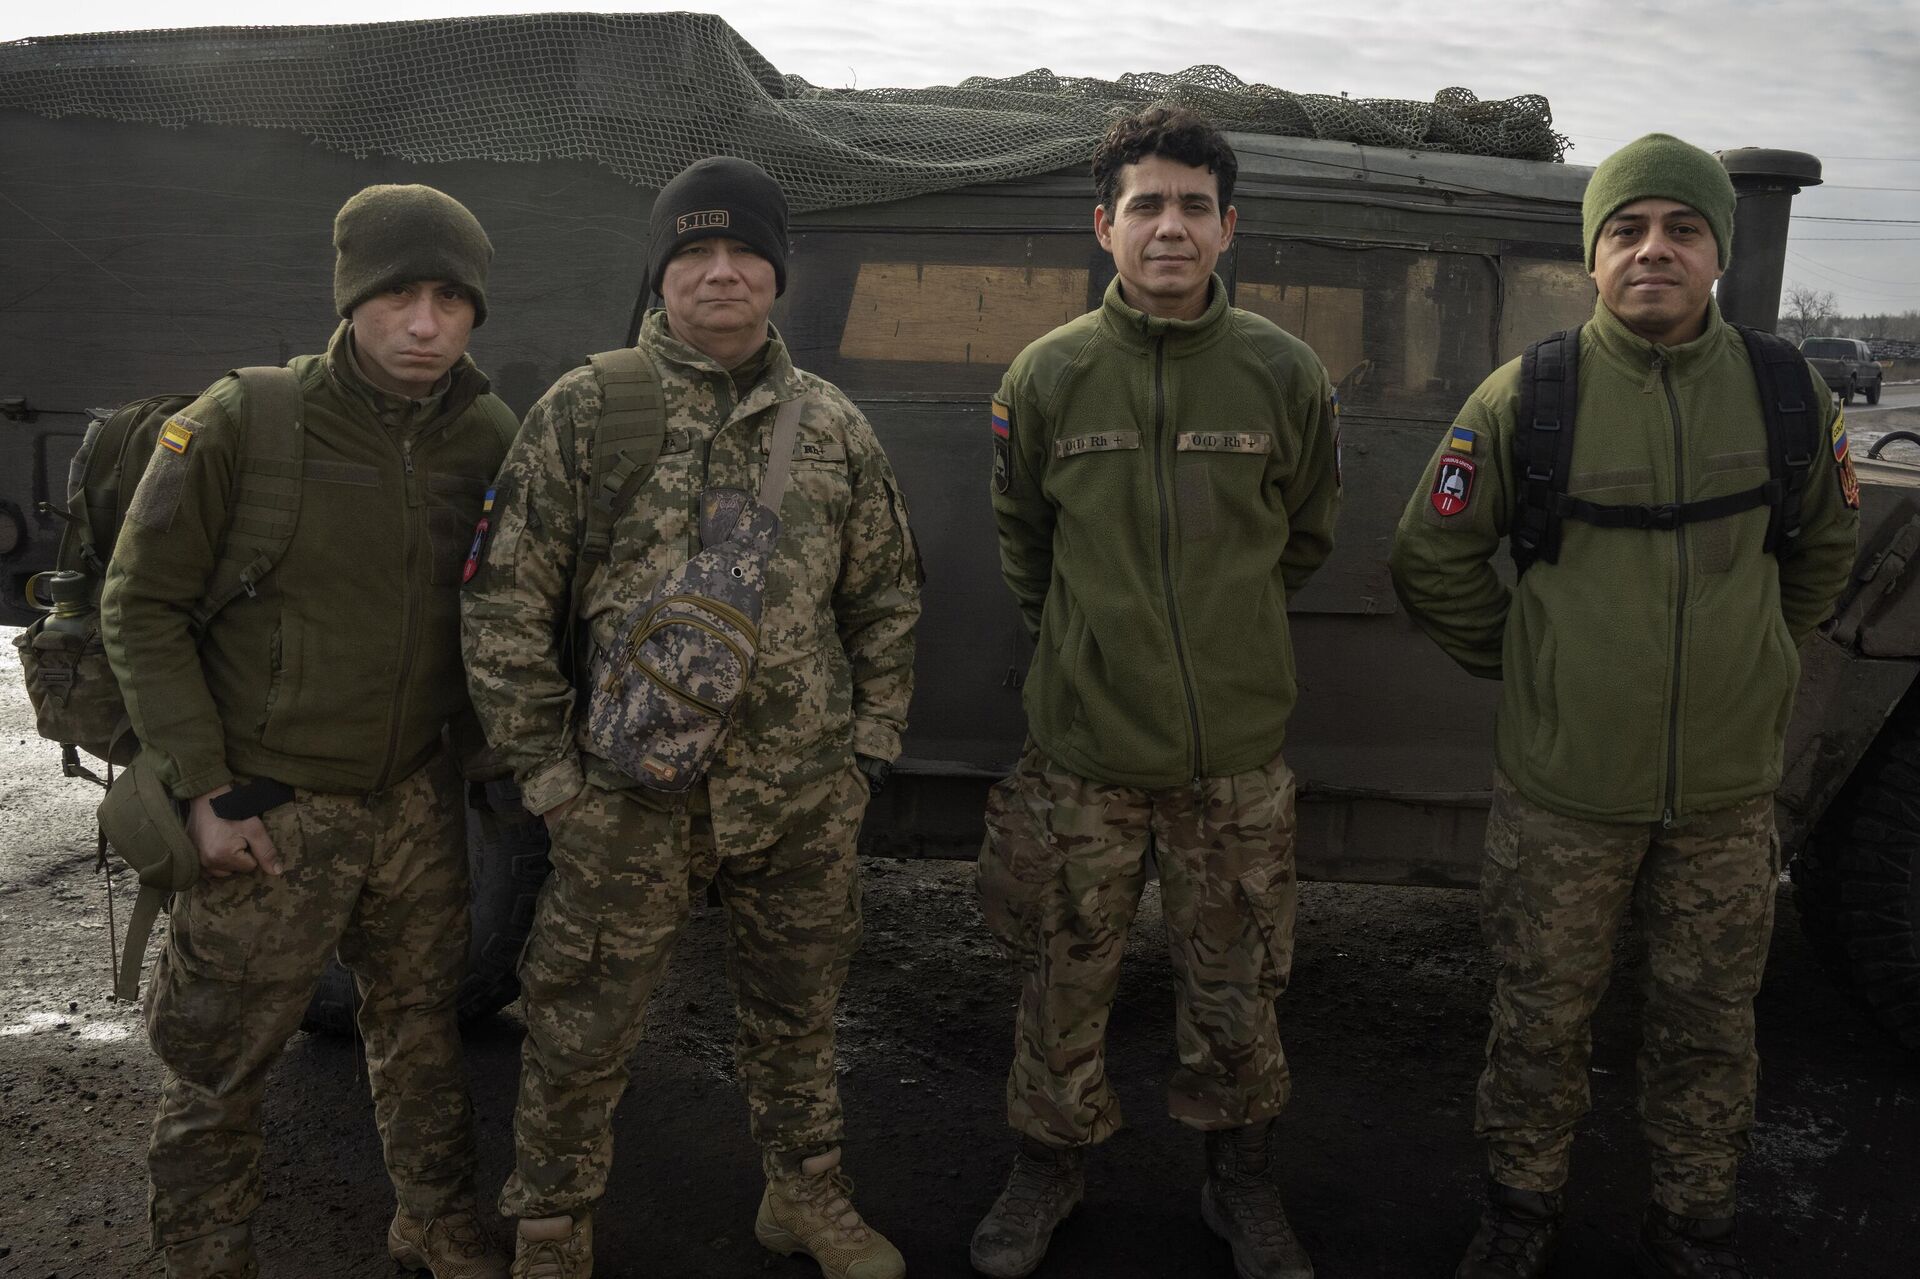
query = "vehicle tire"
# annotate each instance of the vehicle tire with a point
(1873, 396)
(1846, 395)
(1857, 884)
(507, 858)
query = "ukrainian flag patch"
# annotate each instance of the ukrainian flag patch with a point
(1461, 440)
(177, 435)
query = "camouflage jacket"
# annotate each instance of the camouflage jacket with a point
(340, 672)
(836, 643)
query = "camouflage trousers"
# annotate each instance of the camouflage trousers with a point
(1553, 893)
(625, 870)
(384, 880)
(1061, 874)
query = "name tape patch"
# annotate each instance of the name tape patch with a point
(705, 220)
(819, 451)
(1223, 442)
(1100, 442)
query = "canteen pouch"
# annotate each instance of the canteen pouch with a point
(661, 698)
(143, 823)
(71, 687)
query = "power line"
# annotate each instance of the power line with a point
(1841, 186)
(1855, 239)
(1810, 217)
(1864, 279)
(1823, 270)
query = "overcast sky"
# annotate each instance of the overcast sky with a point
(1840, 79)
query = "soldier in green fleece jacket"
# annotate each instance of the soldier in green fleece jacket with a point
(1164, 478)
(1648, 678)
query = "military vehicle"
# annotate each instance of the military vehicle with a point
(144, 258)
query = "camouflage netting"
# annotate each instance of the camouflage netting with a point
(646, 94)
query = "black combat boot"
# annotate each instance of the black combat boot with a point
(1240, 1203)
(1044, 1187)
(1676, 1247)
(1515, 1236)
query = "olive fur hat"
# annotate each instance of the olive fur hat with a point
(719, 196)
(388, 235)
(1660, 166)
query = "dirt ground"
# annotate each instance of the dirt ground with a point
(1384, 1025)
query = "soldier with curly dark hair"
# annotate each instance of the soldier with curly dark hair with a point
(1164, 478)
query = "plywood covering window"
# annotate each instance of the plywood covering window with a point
(1540, 297)
(935, 313)
(1325, 317)
(1405, 333)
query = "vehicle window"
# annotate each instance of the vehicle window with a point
(1827, 349)
(930, 315)
(954, 314)
(1539, 297)
(1403, 333)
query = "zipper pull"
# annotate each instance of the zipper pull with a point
(1653, 376)
(1666, 820)
(406, 456)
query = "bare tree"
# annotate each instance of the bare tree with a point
(1807, 312)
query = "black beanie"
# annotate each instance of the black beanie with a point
(388, 235)
(721, 196)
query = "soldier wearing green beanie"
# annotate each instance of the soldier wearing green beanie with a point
(1648, 677)
(1663, 166)
(388, 235)
(301, 726)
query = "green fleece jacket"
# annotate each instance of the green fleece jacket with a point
(1161, 487)
(340, 671)
(1649, 674)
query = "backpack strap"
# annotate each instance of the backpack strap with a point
(266, 496)
(1543, 445)
(1780, 373)
(626, 442)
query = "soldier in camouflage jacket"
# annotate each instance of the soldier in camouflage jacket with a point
(774, 823)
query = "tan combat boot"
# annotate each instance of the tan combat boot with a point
(453, 1245)
(814, 1213)
(553, 1248)
(226, 1253)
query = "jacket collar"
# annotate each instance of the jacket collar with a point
(779, 380)
(1140, 331)
(1622, 344)
(460, 387)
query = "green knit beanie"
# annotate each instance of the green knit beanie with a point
(388, 235)
(1659, 166)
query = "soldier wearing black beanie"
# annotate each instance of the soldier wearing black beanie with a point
(721, 196)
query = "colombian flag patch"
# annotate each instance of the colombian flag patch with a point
(177, 435)
(1002, 447)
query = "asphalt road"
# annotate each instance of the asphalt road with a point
(1384, 1026)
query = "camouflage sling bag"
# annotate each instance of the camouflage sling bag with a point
(660, 700)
